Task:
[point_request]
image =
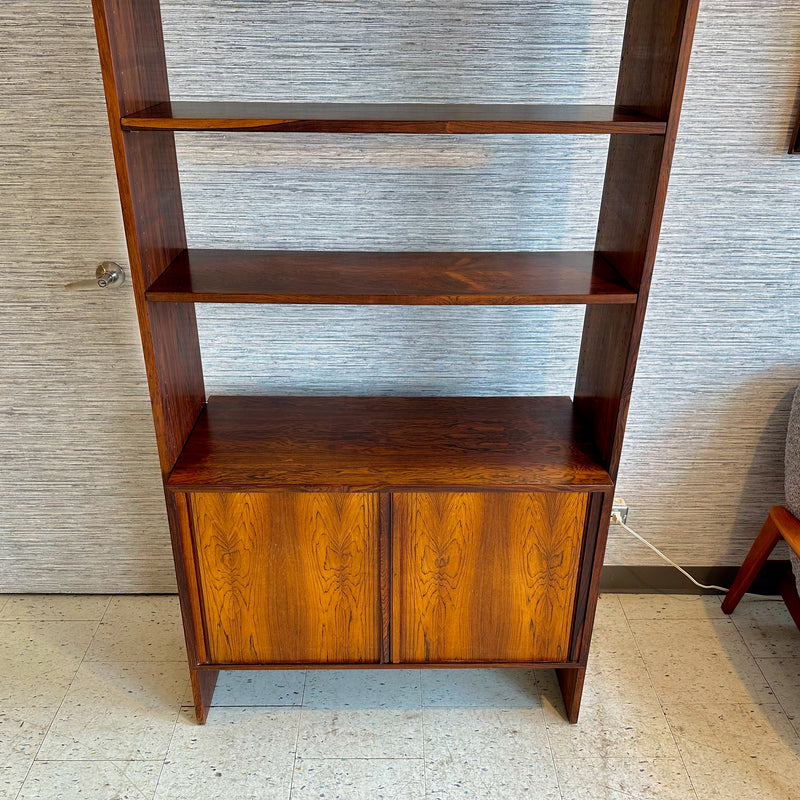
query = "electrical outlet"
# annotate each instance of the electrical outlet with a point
(619, 507)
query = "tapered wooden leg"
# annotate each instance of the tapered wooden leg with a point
(788, 590)
(570, 679)
(203, 683)
(763, 545)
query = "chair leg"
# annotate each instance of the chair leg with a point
(763, 545)
(788, 590)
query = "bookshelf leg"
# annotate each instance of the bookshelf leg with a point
(570, 679)
(203, 684)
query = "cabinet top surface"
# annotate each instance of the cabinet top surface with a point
(385, 443)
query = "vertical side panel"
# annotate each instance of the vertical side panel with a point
(289, 577)
(604, 379)
(597, 524)
(486, 576)
(186, 572)
(655, 58)
(131, 48)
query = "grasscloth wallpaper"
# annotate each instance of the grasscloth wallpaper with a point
(721, 349)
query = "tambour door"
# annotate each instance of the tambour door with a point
(288, 577)
(485, 576)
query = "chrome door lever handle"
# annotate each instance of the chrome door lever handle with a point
(108, 275)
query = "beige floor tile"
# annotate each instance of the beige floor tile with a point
(609, 611)
(487, 753)
(767, 628)
(611, 679)
(39, 659)
(612, 730)
(140, 628)
(616, 639)
(361, 714)
(360, 733)
(91, 780)
(615, 671)
(362, 689)
(623, 779)
(12, 775)
(783, 676)
(358, 779)
(738, 751)
(616, 720)
(238, 753)
(117, 712)
(486, 732)
(484, 688)
(250, 688)
(55, 607)
(699, 661)
(611, 632)
(3, 600)
(671, 606)
(22, 731)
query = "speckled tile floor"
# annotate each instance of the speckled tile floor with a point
(680, 702)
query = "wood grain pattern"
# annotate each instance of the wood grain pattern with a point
(392, 118)
(598, 518)
(604, 379)
(188, 578)
(131, 47)
(289, 577)
(399, 278)
(382, 443)
(652, 76)
(486, 576)
(385, 541)
(203, 681)
(570, 681)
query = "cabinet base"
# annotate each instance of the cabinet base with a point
(570, 680)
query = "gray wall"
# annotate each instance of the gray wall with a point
(721, 350)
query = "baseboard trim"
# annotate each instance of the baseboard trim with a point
(667, 580)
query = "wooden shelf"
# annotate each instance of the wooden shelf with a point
(392, 118)
(374, 278)
(388, 443)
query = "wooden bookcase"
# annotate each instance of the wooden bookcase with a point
(391, 532)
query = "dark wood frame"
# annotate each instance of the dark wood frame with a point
(642, 126)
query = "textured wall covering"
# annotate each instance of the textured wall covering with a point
(703, 453)
(81, 506)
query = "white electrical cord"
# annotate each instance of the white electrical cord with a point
(616, 517)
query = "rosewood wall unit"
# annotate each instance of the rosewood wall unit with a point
(390, 532)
